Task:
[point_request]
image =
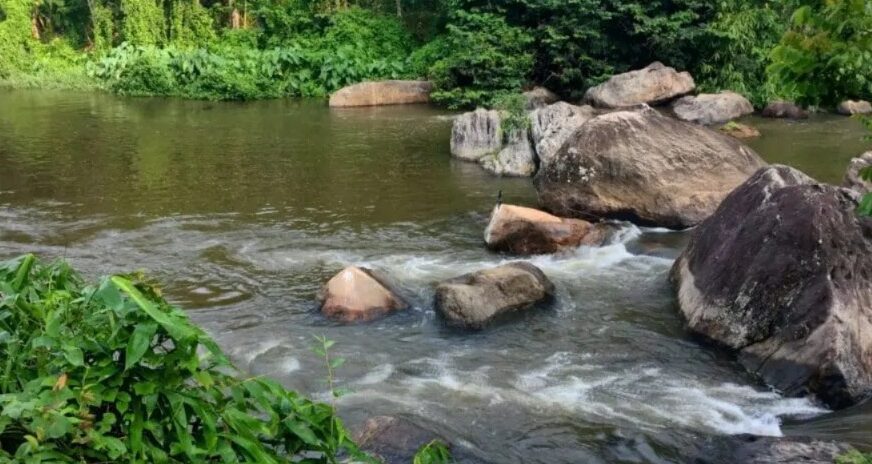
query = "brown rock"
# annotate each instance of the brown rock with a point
(782, 274)
(382, 93)
(477, 299)
(358, 294)
(644, 167)
(784, 109)
(739, 130)
(539, 97)
(653, 84)
(528, 231)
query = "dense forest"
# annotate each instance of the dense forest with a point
(476, 52)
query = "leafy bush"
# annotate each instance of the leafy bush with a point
(434, 452)
(743, 35)
(826, 54)
(485, 57)
(112, 373)
(854, 457)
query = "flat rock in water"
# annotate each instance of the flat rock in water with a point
(474, 300)
(852, 175)
(644, 167)
(782, 274)
(712, 108)
(652, 85)
(528, 231)
(476, 134)
(379, 93)
(784, 109)
(852, 107)
(358, 294)
(750, 449)
(739, 130)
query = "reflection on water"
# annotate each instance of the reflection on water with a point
(243, 210)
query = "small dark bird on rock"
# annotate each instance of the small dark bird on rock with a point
(499, 198)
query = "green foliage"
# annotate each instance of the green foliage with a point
(434, 452)
(743, 35)
(854, 457)
(144, 22)
(826, 54)
(514, 113)
(113, 373)
(485, 57)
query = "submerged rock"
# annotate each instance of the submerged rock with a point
(528, 231)
(476, 134)
(394, 440)
(378, 93)
(852, 107)
(852, 175)
(750, 449)
(552, 125)
(782, 274)
(516, 158)
(644, 167)
(784, 109)
(539, 97)
(653, 84)
(474, 300)
(712, 108)
(739, 130)
(358, 294)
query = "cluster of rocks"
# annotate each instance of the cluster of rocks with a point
(778, 268)
(477, 299)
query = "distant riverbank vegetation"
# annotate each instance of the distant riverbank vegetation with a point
(475, 51)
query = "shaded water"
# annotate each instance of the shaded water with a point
(243, 210)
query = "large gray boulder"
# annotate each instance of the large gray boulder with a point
(653, 84)
(475, 300)
(376, 93)
(852, 107)
(712, 108)
(552, 125)
(476, 134)
(527, 231)
(515, 158)
(852, 175)
(358, 294)
(645, 167)
(782, 273)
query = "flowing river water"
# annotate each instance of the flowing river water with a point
(242, 210)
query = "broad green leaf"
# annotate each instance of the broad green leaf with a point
(139, 343)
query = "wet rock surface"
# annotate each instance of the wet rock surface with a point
(782, 274)
(784, 109)
(526, 231)
(477, 299)
(358, 294)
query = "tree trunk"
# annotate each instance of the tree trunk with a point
(34, 26)
(399, 8)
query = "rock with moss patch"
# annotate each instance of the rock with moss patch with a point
(712, 108)
(852, 179)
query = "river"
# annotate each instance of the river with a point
(242, 210)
